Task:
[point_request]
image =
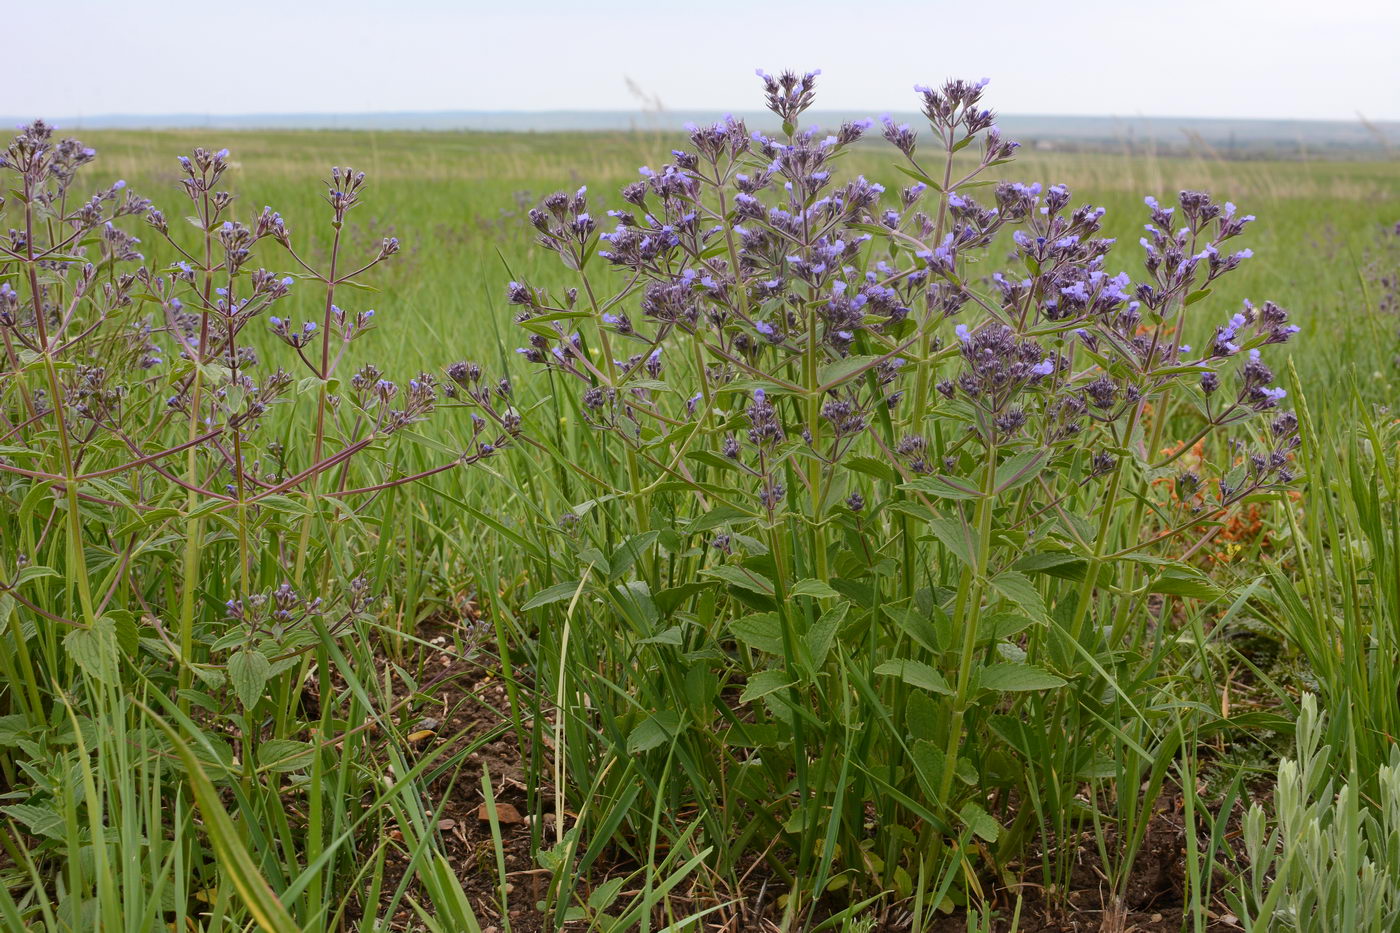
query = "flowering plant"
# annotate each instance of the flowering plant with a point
(889, 459)
(184, 522)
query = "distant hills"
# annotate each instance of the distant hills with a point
(1222, 136)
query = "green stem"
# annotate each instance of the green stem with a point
(971, 590)
(1101, 543)
(925, 376)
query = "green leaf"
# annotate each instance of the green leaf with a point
(872, 466)
(1017, 677)
(839, 371)
(1003, 625)
(34, 572)
(712, 459)
(916, 625)
(601, 897)
(1177, 582)
(916, 674)
(670, 636)
(814, 588)
(1018, 588)
(762, 631)
(919, 176)
(929, 761)
(633, 599)
(943, 487)
(283, 755)
(719, 515)
(653, 731)
(820, 636)
(1020, 469)
(552, 594)
(283, 504)
(630, 551)
(248, 671)
(95, 649)
(1063, 564)
(754, 735)
(738, 576)
(668, 600)
(957, 537)
(762, 684)
(980, 822)
(41, 820)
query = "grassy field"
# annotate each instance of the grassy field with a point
(671, 743)
(457, 200)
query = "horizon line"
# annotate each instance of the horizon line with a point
(661, 115)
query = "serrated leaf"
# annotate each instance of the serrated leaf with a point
(670, 636)
(916, 674)
(712, 459)
(917, 626)
(813, 587)
(942, 487)
(980, 822)
(628, 553)
(95, 649)
(719, 515)
(1020, 469)
(283, 504)
(1018, 588)
(762, 684)
(742, 578)
(1004, 625)
(601, 897)
(834, 373)
(1063, 564)
(872, 466)
(41, 821)
(1178, 583)
(820, 636)
(957, 537)
(34, 572)
(762, 631)
(248, 671)
(283, 755)
(1009, 678)
(211, 677)
(929, 761)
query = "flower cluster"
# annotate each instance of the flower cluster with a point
(116, 368)
(750, 248)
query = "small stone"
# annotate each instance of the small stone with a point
(505, 813)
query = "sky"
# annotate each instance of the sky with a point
(1206, 58)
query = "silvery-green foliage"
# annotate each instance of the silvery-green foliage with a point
(1327, 860)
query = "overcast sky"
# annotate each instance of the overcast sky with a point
(1228, 58)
